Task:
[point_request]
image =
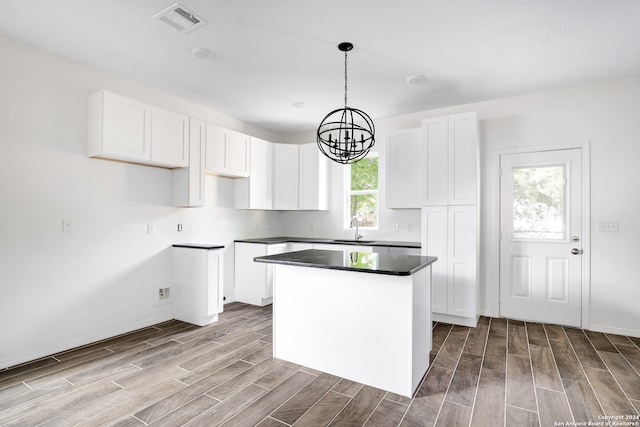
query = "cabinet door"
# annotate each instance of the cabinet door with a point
(261, 177)
(461, 256)
(403, 169)
(285, 173)
(435, 154)
(250, 276)
(272, 250)
(214, 291)
(298, 246)
(239, 154)
(344, 248)
(188, 183)
(434, 243)
(216, 152)
(463, 159)
(126, 127)
(169, 138)
(405, 251)
(313, 192)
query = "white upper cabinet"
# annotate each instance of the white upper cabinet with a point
(313, 191)
(124, 129)
(463, 159)
(226, 152)
(239, 153)
(256, 191)
(188, 183)
(169, 137)
(119, 127)
(285, 176)
(435, 155)
(450, 160)
(216, 149)
(403, 174)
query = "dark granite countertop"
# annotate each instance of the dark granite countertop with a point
(366, 262)
(364, 242)
(198, 246)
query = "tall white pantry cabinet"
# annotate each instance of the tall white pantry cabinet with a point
(450, 199)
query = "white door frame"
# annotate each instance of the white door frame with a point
(586, 217)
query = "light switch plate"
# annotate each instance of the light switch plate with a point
(151, 228)
(67, 225)
(608, 226)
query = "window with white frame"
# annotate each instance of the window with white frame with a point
(361, 192)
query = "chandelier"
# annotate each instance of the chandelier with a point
(346, 135)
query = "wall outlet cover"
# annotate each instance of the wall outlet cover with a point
(608, 226)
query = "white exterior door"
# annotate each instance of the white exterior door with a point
(540, 236)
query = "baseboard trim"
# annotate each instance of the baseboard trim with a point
(455, 320)
(615, 331)
(32, 356)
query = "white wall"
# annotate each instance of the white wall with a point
(607, 116)
(59, 290)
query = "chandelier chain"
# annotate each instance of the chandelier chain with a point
(345, 78)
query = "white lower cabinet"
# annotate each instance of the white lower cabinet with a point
(254, 281)
(298, 246)
(198, 284)
(404, 251)
(350, 248)
(450, 233)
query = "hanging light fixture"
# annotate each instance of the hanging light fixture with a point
(346, 134)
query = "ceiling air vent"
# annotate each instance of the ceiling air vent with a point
(180, 18)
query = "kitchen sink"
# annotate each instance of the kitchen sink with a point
(353, 242)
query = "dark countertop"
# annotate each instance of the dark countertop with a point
(198, 246)
(275, 240)
(366, 262)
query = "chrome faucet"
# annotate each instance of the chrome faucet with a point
(354, 220)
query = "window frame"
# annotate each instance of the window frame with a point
(347, 193)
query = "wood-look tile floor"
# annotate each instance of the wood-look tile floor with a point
(502, 372)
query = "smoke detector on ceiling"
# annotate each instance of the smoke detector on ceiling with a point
(180, 18)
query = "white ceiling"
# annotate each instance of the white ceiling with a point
(273, 53)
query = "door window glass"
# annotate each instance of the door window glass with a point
(539, 202)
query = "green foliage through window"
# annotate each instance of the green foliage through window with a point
(362, 192)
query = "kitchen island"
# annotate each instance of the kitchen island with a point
(359, 315)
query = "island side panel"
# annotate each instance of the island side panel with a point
(355, 325)
(422, 326)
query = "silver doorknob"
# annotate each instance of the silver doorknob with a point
(576, 251)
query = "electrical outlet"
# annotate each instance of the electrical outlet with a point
(164, 293)
(179, 227)
(162, 296)
(396, 227)
(409, 227)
